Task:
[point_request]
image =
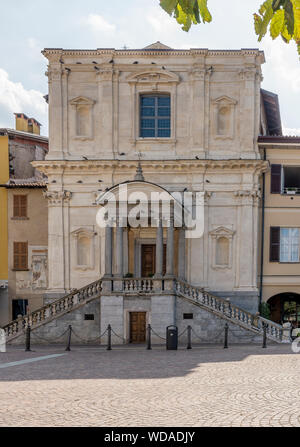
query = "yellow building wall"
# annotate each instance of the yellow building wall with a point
(281, 210)
(4, 177)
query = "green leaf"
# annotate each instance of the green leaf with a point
(204, 12)
(289, 17)
(187, 6)
(169, 5)
(183, 18)
(277, 4)
(296, 8)
(285, 34)
(277, 23)
(261, 22)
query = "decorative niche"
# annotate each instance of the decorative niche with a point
(82, 117)
(222, 241)
(84, 249)
(224, 117)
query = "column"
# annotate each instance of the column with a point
(108, 251)
(119, 250)
(170, 248)
(181, 254)
(125, 252)
(159, 250)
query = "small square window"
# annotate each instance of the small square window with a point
(188, 316)
(89, 317)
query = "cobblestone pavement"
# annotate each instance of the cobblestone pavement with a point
(207, 386)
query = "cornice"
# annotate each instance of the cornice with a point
(50, 52)
(93, 166)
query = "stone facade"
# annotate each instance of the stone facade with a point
(96, 144)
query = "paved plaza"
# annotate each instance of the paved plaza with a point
(129, 386)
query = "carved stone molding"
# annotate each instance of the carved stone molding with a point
(57, 197)
(250, 74)
(248, 197)
(54, 74)
(105, 74)
(200, 73)
(153, 77)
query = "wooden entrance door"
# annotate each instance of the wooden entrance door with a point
(137, 327)
(149, 260)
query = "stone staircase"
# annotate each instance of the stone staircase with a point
(74, 300)
(79, 297)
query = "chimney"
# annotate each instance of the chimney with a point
(25, 124)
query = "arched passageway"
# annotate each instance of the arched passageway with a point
(285, 307)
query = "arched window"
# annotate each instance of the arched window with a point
(222, 251)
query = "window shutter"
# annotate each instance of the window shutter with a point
(275, 179)
(16, 206)
(274, 244)
(20, 206)
(23, 206)
(20, 255)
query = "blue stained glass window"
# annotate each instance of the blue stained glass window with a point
(152, 109)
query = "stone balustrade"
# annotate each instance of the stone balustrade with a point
(53, 310)
(77, 298)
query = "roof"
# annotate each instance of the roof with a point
(25, 183)
(279, 141)
(26, 135)
(272, 110)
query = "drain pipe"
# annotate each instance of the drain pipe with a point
(262, 234)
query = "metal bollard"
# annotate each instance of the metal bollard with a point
(264, 335)
(189, 333)
(68, 348)
(27, 339)
(226, 336)
(109, 337)
(149, 337)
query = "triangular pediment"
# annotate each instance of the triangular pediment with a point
(224, 100)
(153, 76)
(82, 100)
(157, 46)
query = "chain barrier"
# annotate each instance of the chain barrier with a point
(90, 340)
(205, 340)
(157, 335)
(121, 338)
(47, 339)
(182, 333)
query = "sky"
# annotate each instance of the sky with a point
(28, 27)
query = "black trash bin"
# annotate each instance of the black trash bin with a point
(172, 338)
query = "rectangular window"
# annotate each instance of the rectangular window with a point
(21, 256)
(291, 180)
(155, 113)
(289, 244)
(19, 307)
(20, 206)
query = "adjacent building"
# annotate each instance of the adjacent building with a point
(24, 218)
(280, 225)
